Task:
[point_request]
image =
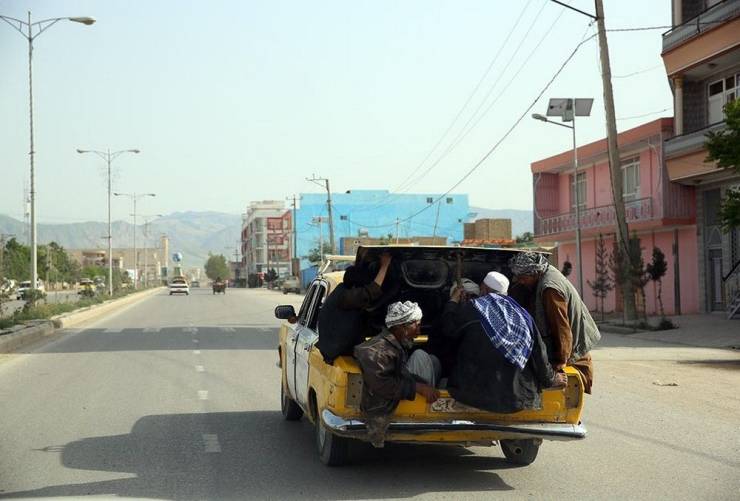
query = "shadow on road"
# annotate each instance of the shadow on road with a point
(261, 457)
(167, 338)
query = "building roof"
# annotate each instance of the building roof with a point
(598, 148)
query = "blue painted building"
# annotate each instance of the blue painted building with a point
(373, 213)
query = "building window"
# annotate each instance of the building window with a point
(631, 178)
(721, 92)
(581, 188)
(449, 200)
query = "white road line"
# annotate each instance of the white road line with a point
(152, 329)
(210, 442)
(228, 329)
(192, 330)
(112, 331)
(195, 341)
(203, 394)
(200, 368)
(196, 352)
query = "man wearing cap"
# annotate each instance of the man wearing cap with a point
(562, 318)
(501, 363)
(389, 373)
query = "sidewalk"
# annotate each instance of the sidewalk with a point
(707, 331)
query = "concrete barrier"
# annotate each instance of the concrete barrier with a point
(21, 336)
(89, 313)
(25, 336)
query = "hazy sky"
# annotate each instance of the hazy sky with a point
(237, 101)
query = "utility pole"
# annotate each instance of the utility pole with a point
(397, 225)
(615, 167)
(294, 222)
(317, 180)
(134, 197)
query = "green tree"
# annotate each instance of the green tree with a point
(602, 283)
(724, 148)
(313, 255)
(656, 270)
(525, 238)
(630, 267)
(217, 266)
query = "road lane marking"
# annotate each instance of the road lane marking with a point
(210, 442)
(112, 331)
(151, 329)
(196, 352)
(203, 394)
(192, 330)
(200, 368)
(195, 341)
(228, 329)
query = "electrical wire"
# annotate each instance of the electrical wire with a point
(645, 114)
(508, 132)
(639, 72)
(404, 183)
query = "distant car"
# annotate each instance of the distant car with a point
(87, 288)
(179, 286)
(194, 284)
(25, 286)
(291, 284)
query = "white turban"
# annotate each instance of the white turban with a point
(402, 313)
(470, 287)
(497, 282)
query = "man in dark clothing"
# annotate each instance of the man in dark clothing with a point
(342, 320)
(483, 376)
(389, 374)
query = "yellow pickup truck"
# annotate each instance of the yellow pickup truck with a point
(329, 395)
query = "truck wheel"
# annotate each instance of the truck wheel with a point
(333, 450)
(522, 452)
(291, 410)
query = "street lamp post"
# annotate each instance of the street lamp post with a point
(26, 28)
(147, 219)
(568, 109)
(135, 197)
(109, 157)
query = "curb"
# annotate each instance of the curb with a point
(76, 317)
(23, 336)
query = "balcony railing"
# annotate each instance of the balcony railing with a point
(710, 18)
(596, 217)
(690, 141)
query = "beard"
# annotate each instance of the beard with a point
(407, 343)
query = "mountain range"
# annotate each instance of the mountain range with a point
(195, 234)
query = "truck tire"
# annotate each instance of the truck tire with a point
(291, 410)
(521, 452)
(333, 450)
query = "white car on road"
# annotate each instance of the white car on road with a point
(179, 286)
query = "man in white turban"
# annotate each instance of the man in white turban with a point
(389, 373)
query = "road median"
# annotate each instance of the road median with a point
(19, 336)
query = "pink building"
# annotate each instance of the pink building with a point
(660, 212)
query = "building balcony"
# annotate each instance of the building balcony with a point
(595, 217)
(689, 142)
(707, 20)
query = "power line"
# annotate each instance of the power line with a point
(402, 186)
(644, 114)
(638, 72)
(510, 130)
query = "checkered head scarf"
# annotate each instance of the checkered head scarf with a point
(528, 263)
(402, 313)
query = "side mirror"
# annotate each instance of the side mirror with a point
(285, 312)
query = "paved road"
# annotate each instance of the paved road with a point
(177, 398)
(51, 297)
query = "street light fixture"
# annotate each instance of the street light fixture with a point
(25, 28)
(109, 156)
(568, 109)
(135, 197)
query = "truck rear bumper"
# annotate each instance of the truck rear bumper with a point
(355, 428)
